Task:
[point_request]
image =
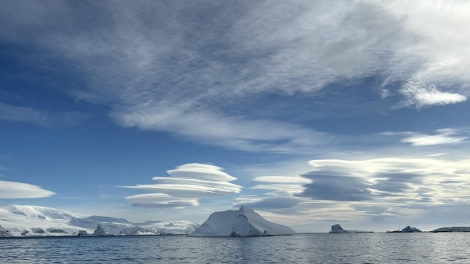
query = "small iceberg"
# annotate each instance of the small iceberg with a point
(243, 222)
(338, 229)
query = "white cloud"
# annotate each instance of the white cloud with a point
(416, 95)
(442, 136)
(185, 185)
(438, 60)
(437, 154)
(227, 131)
(406, 180)
(160, 200)
(345, 189)
(282, 179)
(282, 185)
(18, 190)
(192, 72)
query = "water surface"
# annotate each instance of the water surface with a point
(301, 248)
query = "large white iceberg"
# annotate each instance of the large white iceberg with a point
(242, 222)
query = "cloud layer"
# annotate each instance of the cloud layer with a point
(18, 190)
(442, 136)
(365, 190)
(38, 116)
(201, 70)
(402, 180)
(185, 185)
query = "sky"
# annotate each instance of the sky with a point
(312, 113)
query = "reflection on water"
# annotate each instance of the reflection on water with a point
(301, 248)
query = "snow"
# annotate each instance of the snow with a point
(337, 229)
(242, 222)
(4, 232)
(25, 220)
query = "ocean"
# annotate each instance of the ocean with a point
(300, 248)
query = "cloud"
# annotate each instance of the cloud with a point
(185, 185)
(18, 190)
(437, 154)
(443, 136)
(227, 131)
(427, 96)
(437, 62)
(336, 188)
(268, 203)
(201, 70)
(280, 195)
(282, 185)
(159, 200)
(38, 116)
(387, 180)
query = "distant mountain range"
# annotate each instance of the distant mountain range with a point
(27, 220)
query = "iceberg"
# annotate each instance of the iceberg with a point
(338, 229)
(242, 222)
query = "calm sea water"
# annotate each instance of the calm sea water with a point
(301, 248)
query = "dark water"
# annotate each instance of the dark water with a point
(301, 248)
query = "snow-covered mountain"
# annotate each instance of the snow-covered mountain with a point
(25, 220)
(242, 222)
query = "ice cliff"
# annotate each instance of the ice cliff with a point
(242, 222)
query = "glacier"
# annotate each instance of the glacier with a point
(28, 221)
(242, 222)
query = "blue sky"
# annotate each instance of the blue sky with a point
(311, 112)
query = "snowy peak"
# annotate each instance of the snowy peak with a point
(35, 212)
(26, 220)
(242, 222)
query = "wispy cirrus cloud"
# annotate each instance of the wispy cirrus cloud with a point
(167, 67)
(185, 185)
(442, 136)
(38, 116)
(19, 190)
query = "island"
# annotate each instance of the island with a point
(452, 229)
(407, 229)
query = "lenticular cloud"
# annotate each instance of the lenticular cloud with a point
(16, 190)
(185, 185)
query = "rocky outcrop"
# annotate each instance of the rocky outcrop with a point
(452, 229)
